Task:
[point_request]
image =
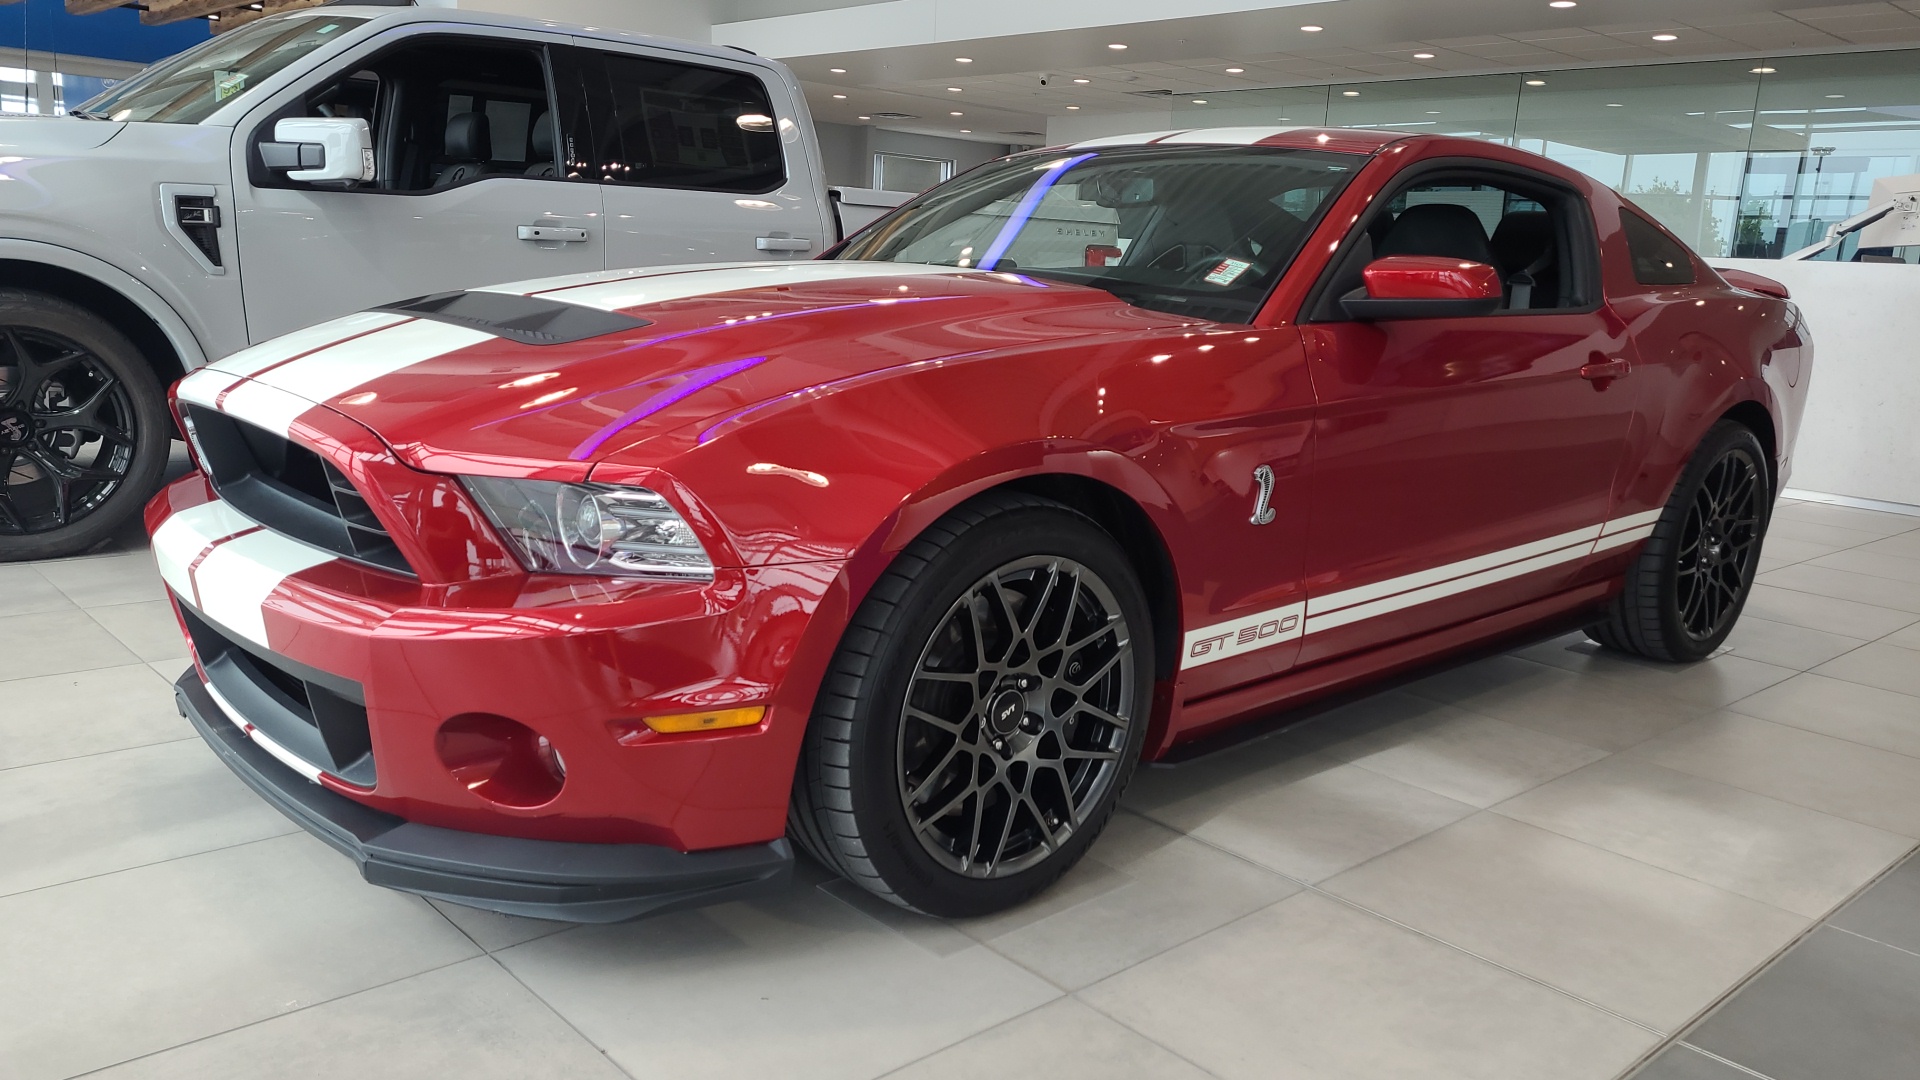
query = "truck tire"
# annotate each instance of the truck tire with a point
(84, 429)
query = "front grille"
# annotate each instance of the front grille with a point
(318, 717)
(291, 490)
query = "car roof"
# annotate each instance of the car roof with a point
(401, 12)
(1340, 140)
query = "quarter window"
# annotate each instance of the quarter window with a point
(1658, 259)
(678, 125)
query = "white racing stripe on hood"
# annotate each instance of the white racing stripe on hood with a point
(268, 353)
(680, 283)
(273, 398)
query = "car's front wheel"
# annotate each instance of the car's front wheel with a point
(1691, 580)
(83, 427)
(983, 713)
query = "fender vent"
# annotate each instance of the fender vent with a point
(199, 218)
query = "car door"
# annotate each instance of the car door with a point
(468, 191)
(699, 160)
(1462, 465)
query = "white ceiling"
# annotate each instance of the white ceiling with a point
(1364, 40)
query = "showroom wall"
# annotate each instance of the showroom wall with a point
(1743, 158)
(847, 151)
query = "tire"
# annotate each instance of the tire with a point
(84, 430)
(918, 723)
(1687, 588)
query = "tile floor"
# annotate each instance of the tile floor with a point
(1549, 863)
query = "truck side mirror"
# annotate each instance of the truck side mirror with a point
(320, 148)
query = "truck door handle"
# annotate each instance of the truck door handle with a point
(1602, 371)
(553, 232)
(782, 243)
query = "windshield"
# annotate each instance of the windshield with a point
(189, 87)
(1195, 230)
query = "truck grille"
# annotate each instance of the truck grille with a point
(291, 490)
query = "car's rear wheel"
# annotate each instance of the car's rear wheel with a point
(1685, 591)
(983, 713)
(83, 428)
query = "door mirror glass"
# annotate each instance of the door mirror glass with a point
(319, 149)
(1424, 287)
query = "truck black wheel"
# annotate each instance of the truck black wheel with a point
(84, 432)
(983, 713)
(1686, 589)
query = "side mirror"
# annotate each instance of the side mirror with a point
(320, 148)
(1424, 287)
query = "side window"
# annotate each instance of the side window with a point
(1528, 234)
(1658, 259)
(443, 112)
(678, 125)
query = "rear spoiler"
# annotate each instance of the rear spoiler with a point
(1765, 286)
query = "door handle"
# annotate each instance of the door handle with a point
(553, 232)
(782, 243)
(1600, 371)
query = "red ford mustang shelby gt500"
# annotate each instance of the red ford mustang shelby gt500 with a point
(579, 598)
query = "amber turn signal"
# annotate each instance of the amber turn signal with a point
(707, 721)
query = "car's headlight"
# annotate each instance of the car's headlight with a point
(591, 528)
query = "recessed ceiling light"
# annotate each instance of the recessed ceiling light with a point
(1696, 114)
(1563, 4)
(1236, 71)
(1433, 112)
(1083, 82)
(839, 97)
(1312, 29)
(866, 117)
(1536, 82)
(963, 59)
(966, 131)
(838, 71)
(1762, 70)
(1836, 95)
(1349, 93)
(956, 114)
(953, 89)
(1423, 56)
(1666, 37)
(1615, 105)
(1073, 108)
(1116, 46)
(1199, 101)
(1286, 119)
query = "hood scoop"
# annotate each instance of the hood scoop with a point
(530, 320)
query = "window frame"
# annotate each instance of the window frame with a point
(947, 167)
(1579, 237)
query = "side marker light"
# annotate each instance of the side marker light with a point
(707, 721)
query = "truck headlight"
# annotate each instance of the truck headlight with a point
(591, 528)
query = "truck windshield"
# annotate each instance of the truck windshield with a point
(187, 88)
(1195, 230)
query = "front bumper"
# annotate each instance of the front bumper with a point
(543, 879)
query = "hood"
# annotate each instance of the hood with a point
(702, 345)
(52, 136)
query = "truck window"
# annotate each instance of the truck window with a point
(446, 111)
(683, 126)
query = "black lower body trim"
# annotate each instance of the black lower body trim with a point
(541, 879)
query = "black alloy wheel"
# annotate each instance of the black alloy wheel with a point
(1016, 717)
(83, 436)
(983, 712)
(1686, 589)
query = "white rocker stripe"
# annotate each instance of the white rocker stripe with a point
(1318, 614)
(286, 756)
(1222, 640)
(273, 351)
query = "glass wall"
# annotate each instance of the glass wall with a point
(1746, 158)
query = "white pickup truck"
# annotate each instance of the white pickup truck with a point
(323, 161)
